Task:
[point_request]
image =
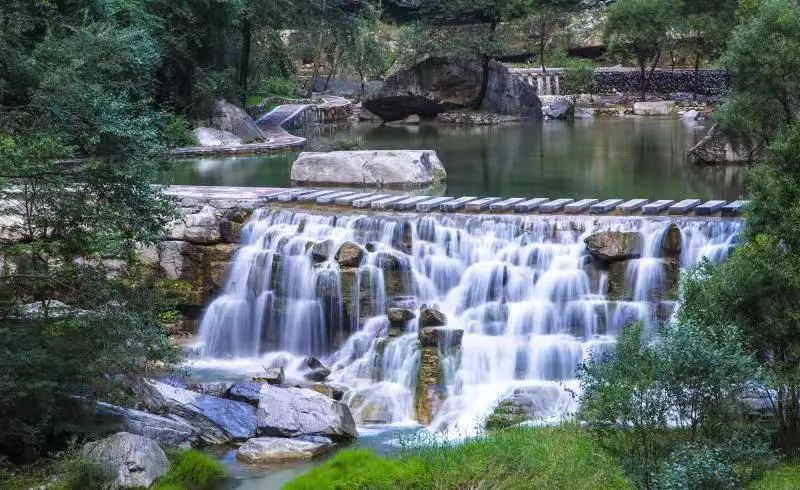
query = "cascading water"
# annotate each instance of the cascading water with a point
(525, 304)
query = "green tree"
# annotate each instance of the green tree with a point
(579, 74)
(362, 50)
(639, 28)
(543, 19)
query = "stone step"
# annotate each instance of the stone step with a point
(274, 197)
(387, 203)
(606, 206)
(657, 206)
(293, 196)
(456, 204)
(709, 207)
(505, 205)
(580, 206)
(555, 206)
(347, 200)
(530, 205)
(331, 198)
(480, 204)
(684, 206)
(410, 203)
(734, 209)
(632, 205)
(311, 197)
(366, 201)
(432, 204)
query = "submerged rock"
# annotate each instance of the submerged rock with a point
(279, 449)
(559, 109)
(135, 461)
(391, 168)
(614, 245)
(717, 147)
(292, 412)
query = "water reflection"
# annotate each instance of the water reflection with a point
(603, 158)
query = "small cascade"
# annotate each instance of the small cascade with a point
(525, 304)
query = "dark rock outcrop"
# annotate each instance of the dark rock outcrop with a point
(235, 120)
(429, 317)
(614, 245)
(444, 84)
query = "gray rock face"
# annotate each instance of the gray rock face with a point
(273, 376)
(716, 147)
(278, 449)
(247, 392)
(135, 461)
(613, 246)
(399, 315)
(559, 109)
(161, 429)
(438, 85)
(292, 412)
(215, 137)
(390, 168)
(232, 119)
(216, 419)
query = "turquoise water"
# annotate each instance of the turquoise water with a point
(626, 157)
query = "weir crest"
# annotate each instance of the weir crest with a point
(525, 301)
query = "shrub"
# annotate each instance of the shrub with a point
(177, 131)
(193, 470)
(346, 143)
(79, 474)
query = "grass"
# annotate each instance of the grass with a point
(785, 476)
(513, 458)
(193, 470)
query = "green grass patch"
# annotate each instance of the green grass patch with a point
(193, 470)
(512, 458)
(785, 476)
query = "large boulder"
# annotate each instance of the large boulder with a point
(614, 245)
(135, 461)
(438, 85)
(559, 109)
(349, 254)
(292, 412)
(431, 317)
(161, 429)
(279, 449)
(232, 119)
(215, 137)
(717, 147)
(216, 419)
(655, 108)
(391, 168)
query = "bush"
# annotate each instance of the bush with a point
(784, 477)
(193, 470)
(79, 474)
(345, 143)
(518, 457)
(177, 131)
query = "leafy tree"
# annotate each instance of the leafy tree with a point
(639, 28)
(580, 77)
(363, 51)
(543, 19)
(762, 61)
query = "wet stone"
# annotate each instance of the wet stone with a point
(429, 317)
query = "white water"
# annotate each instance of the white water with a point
(533, 305)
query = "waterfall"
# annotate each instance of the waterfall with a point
(525, 304)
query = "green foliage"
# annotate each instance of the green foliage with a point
(688, 380)
(763, 61)
(579, 75)
(363, 51)
(783, 477)
(78, 474)
(210, 85)
(193, 470)
(177, 131)
(504, 415)
(345, 143)
(278, 87)
(511, 458)
(638, 29)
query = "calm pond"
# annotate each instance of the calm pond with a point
(626, 157)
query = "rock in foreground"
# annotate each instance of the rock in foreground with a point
(391, 168)
(135, 461)
(438, 85)
(278, 449)
(292, 412)
(161, 429)
(614, 245)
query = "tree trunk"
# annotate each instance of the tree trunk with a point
(244, 62)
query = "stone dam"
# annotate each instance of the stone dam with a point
(425, 314)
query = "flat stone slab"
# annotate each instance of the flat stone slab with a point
(457, 204)
(366, 201)
(480, 204)
(294, 196)
(348, 200)
(280, 449)
(579, 206)
(684, 206)
(633, 205)
(709, 207)
(505, 205)
(432, 204)
(331, 198)
(657, 206)
(554, 206)
(274, 197)
(311, 197)
(387, 203)
(530, 205)
(410, 203)
(734, 209)
(606, 206)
